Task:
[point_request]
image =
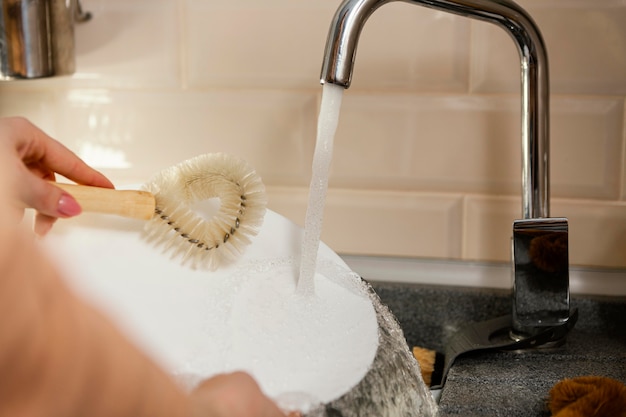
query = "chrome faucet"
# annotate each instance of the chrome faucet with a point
(539, 243)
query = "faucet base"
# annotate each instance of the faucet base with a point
(495, 335)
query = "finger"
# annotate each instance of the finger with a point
(35, 147)
(235, 394)
(61, 160)
(43, 224)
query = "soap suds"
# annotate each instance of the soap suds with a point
(297, 346)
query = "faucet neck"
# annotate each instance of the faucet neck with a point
(340, 53)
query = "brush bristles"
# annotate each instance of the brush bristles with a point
(201, 243)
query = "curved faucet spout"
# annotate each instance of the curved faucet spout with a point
(339, 63)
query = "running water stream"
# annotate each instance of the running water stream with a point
(326, 128)
(392, 385)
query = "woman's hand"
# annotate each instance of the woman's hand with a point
(233, 395)
(37, 158)
(58, 355)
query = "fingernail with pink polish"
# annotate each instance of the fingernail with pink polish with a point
(68, 207)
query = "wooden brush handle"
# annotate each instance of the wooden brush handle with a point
(126, 203)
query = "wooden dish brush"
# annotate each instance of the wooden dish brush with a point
(166, 200)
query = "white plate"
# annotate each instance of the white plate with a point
(244, 316)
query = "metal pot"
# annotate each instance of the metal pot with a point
(37, 38)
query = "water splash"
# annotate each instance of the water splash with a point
(326, 128)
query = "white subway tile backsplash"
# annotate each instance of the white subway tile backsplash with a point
(586, 142)
(495, 63)
(237, 44)
(597, 232)
(394, 224)
(270, 129)
(35, 106)
(290, 202)
(488, 227)
(449, 143)
(473, 144)
(128, 43)
(381, 222)
(586, 44)
(404, 47)
(372, 146)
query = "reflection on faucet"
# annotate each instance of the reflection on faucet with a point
(541, 289)
(541, 284)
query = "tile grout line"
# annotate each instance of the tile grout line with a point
(464, 221)
(183, 45)
(622, 179)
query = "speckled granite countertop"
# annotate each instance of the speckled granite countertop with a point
(507, 383)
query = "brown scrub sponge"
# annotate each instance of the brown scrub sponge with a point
(588, 396)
